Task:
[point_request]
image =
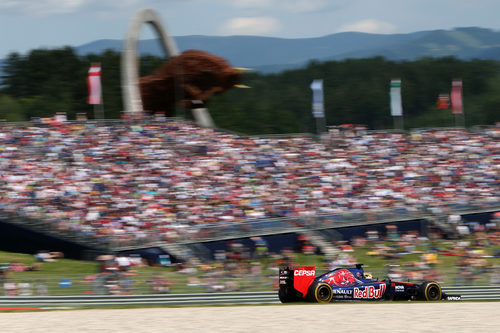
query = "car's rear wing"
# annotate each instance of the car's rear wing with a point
(297, 278)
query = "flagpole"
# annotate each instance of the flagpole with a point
(99, 108)
(398, 122)
(459, 120)
(99, 111)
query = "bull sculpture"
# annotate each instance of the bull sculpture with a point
(188, 79)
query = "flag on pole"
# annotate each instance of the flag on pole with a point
(94, 84)
(396, 104)
(456, 97)
(443, 101)
(318, 108)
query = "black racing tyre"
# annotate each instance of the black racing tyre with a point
(430, 291)
(321, 293)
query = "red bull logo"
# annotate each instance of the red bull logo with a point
(369, 292)
(342, 278)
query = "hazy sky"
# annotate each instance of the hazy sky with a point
(30, 24)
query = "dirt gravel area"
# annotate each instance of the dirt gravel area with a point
(366, 317)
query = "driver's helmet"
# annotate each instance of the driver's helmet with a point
(368, 276)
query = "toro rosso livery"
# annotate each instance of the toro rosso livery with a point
(302, 284)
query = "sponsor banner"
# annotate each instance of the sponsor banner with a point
(340, 294)
(369, 292)
(443, 101)
(399, 289)
(304, 272)
(454, 298)
(318, 108)
(396, 103)
(303, 278)
(456, 97)
(94, 84)
(342, 291)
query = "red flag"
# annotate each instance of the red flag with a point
(443, 101)
(456, 96)
(94, 84)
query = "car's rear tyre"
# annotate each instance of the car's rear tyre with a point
(430, 291)
(321, 293)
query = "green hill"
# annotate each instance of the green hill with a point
(268, 54)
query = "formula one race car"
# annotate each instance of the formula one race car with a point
(302, 284)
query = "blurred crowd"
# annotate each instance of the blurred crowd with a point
(165, 180)
(470, 259)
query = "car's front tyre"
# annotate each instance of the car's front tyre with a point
(430, 291)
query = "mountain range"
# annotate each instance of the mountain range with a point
(269, 54)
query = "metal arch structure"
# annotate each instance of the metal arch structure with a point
(130, 61)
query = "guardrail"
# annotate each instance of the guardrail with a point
(472, 293)
(475, 293)
(165, 299)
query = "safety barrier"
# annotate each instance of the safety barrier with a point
(475, 293)
(164, 299)
(472, 293)
(248, 228)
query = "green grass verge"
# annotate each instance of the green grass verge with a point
(242, 279)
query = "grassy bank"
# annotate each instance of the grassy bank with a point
(72, 277)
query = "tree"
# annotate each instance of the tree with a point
(10, 109)
(355, 91)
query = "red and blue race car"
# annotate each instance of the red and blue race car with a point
(302, 284)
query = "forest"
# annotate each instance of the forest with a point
(356, 91)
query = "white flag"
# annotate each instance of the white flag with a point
(396, 104)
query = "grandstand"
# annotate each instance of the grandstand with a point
(88, 188)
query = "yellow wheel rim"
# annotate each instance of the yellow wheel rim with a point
(432, 285)
(319, 293)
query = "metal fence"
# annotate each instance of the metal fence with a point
(139, 283)
(247, 228)
(255, 227)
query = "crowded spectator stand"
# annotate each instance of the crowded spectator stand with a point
(128, 184)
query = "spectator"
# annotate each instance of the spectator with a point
(127, 185)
